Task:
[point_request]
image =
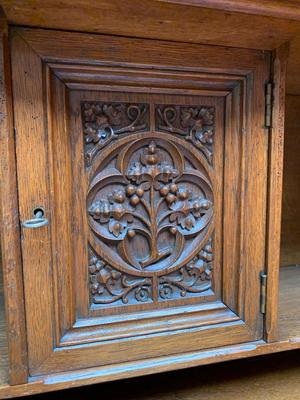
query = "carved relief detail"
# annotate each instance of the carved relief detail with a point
(150, 202)
(105, 122)
(194, 123)
(160, 201)
(108, 285)
(194, 277)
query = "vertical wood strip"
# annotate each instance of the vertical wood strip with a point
(9, 226)
(32, 171)
(275, 191)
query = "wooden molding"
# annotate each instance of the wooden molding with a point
(289, 9)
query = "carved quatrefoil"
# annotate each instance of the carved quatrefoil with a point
(150, 208)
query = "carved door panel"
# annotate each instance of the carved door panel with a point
(150, 162)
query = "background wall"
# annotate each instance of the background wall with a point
(290, 245)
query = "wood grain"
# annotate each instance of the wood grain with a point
(9, 226)
(3, 338)
(39, 139)
(33, 192)
(185, 21)
(289, 336)
(157, 20)
(289, 9)
(276, 141)
(289, 303)
(290, 232)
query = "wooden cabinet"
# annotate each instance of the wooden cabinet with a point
(130, 156)
(141, 199)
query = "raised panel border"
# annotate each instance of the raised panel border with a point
(87, 329)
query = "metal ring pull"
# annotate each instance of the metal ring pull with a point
(37, 221)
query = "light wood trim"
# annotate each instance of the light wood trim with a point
(9, 226)
(275, 191)
(155, 20)
(289, 9)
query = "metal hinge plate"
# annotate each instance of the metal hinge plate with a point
(263, 292)
(269, 99)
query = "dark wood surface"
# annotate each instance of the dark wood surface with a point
(290, 233)
(289, 303)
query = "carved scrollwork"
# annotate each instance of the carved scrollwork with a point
(107, 285)
(195, 277)
(195, 124)
(105, 122)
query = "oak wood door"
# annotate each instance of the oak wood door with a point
(149, 160)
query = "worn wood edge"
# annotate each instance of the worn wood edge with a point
(48, 383)
(9, 227)
(276, 150)
(281, 8)
(97, 44)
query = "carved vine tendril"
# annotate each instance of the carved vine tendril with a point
(195, 124)
(105, 122)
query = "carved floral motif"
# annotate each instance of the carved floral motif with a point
(107, 285)
(153, 196)
(195, 124)
(195, 277)
(150, 202)
(105, 122)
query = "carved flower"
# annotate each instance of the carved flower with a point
(199, 122)
(205, 136)
(116, 227)
(99, 121)
(95, 265)
(201, 264)
(114, 113)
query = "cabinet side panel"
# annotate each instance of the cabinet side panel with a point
(9, 227)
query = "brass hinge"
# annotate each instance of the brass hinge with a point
(268, 109)
(263, 292)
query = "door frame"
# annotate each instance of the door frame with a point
(38, 48)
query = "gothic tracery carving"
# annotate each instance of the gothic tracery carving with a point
(151, 205)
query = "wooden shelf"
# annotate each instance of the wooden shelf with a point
(289, 314)
(289, 303)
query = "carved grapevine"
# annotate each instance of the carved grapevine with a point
(150, 211)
